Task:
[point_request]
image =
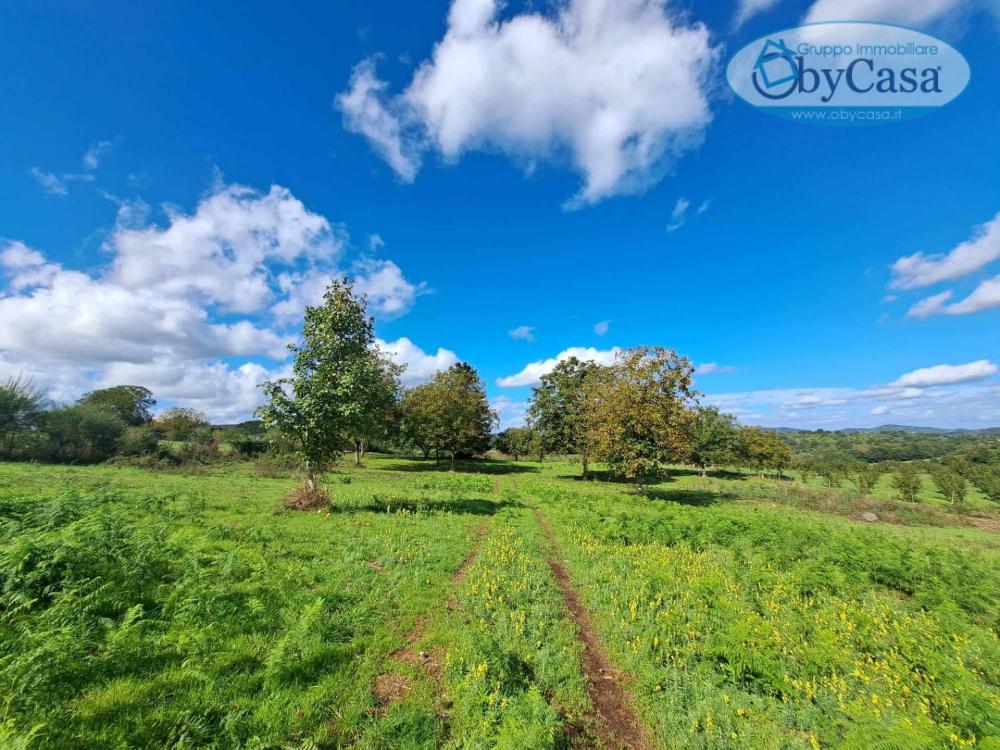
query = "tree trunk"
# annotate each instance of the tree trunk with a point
(453, 460)
(426, 452)
(357, 453)
(701, 471)
(585, 461)
(310, 478)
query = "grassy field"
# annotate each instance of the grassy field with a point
(425, 609)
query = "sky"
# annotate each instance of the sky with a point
(509, 185)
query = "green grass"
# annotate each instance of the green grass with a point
(156, 609)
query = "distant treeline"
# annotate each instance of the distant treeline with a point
(892, 445)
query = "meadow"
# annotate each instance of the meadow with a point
(431, 608)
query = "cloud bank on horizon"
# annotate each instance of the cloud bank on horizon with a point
(200, 310)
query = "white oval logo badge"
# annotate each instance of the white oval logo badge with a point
(848, 73)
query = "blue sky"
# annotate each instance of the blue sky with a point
(177, 180)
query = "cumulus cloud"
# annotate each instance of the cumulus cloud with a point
(920, 270)
(533, 371)
(221, 254)
(389, 293)
(420, 366)
(619, 88)
(197, 309)
(512, 413)
(948, 374)
(522, 333)
(602, 327)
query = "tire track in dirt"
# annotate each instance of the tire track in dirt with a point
(391, 687)
(617, 725)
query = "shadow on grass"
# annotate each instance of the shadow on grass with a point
(464, 467)
(686, 496)
(467, 506)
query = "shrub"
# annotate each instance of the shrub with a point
(140, 441)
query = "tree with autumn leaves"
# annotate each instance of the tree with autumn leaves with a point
(637, 412)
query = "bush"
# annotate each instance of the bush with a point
(140, 441)
(82, 433)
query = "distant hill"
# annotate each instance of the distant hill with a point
(904, 428)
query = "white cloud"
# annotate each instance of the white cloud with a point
(747, 9)
(679, 215)
(919, 270)
(368, 111)
(943, 396)
(512, 413)
(522, 333)
(711, 368)
(92, 157)
(533, 371)
(617, 87)
(908, 12)
(948, 374)
(222, 253)
(984, 297)
(602, 327)
(420, 366)
(56, 184)
(188, 309)
(389, 293)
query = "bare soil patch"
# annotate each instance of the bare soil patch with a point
(616, 724)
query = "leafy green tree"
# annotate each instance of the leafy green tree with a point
(637, 413)
(953, 485)
(131, 403)
(556, 409)
(514, 441)
(180, 422)
(416, 411)
(906, 480)
(762, 449)
(82, 433)
(460, 415)
(865, 476)
(377, 413)
(320, 407)
(21, 407)
(712, 438)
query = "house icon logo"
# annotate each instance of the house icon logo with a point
(775, 64)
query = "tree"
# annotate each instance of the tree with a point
(556, 409)
(711, 438)
(322, 405)
(636, 412)
(460, 416)
(762, 449)
(906, 480)
(416, 418)
(952, 484)
(377, 410)
(131, 403)
(21, 408)
(865, 476)
(180, 423)
(514, 441)
(82, 433)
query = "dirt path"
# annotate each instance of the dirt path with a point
(391, 687)
(617, 725)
